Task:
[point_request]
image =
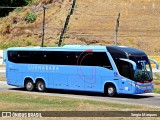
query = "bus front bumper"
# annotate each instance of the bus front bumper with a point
(140, 89)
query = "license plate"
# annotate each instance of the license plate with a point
(146, 91)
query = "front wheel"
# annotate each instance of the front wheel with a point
(40, 86)
(110, 91)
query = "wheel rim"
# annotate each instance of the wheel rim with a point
(29, 86)
(110, 91)
(40, 86)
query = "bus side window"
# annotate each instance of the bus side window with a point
(37, 57)
(70, 58)
(60, 58)
(12, 56)
(49, 57)
(85, 59)
(101, 59)
(95, 59)
(124, 68)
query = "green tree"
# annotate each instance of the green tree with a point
(11, 3)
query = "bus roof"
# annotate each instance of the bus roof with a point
(66, 47)
(119, 49)
(125, 50)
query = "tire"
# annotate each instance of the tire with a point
(29, 85)
(110, 91)
(40, 86)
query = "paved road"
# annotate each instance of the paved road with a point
(149, 99)
(2, 71)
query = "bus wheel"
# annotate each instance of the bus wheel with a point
(29, 85)
(40, 86)
(110, 91)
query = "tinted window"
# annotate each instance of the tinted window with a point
(124, 68)
(26, 57)
(95, 59)
(60, 58)
(139, 60)
(12, 56)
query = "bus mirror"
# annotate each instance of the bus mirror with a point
(157, 65)
(131, 62)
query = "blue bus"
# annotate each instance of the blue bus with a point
(106, 69)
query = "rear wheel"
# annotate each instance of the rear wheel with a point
(110, 90)
(29, 85)
(40, 86)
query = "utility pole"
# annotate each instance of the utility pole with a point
(117, 26)
(66, 22)
(43, 27)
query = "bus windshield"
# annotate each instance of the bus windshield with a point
(143, 73)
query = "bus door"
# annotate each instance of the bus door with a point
(126, 68)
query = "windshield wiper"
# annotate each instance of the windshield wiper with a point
(146, 73)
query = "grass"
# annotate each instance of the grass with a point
(21, 31)
(94, 20)
(18, 102)
(2, 78)
(157, 83)
(1, 65)
(14, 101)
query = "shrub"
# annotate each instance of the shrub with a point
(31, 17)
(157, 76)
(28, 2)
(7, 45)
(18, 9)
(29, 42)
